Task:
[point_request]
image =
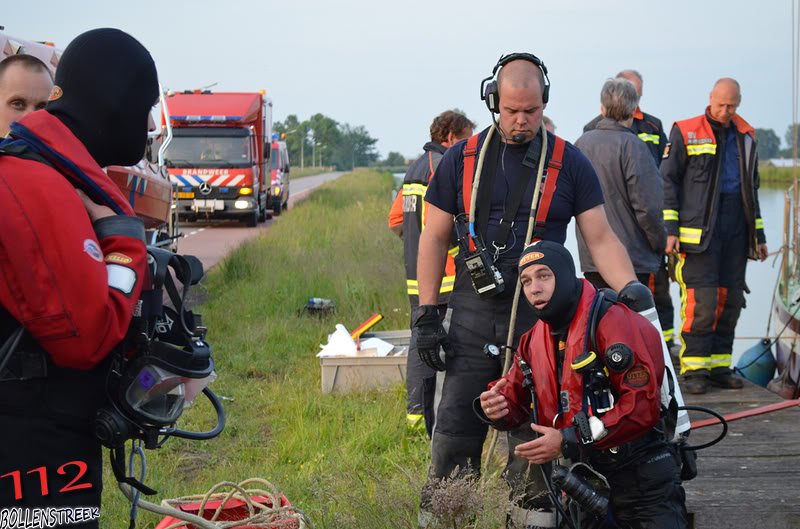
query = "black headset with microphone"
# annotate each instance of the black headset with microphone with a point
(489, 89)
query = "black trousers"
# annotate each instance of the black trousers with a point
(647, 492)
(458, 434)
(664, 307)
(712, 291)
(420, 382)
(48, 452)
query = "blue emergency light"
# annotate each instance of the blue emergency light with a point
(207, 118)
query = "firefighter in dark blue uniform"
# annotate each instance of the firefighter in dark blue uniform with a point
(714, 225)
(476, 321)
(407, 219)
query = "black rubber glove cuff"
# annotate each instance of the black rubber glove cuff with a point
(570, 446)
(636, 296)
(430, 336)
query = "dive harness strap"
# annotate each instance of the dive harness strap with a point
(554, 166)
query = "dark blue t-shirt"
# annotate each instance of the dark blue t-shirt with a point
(577, 190)
(730, 163)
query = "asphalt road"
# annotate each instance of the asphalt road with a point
(212, 241)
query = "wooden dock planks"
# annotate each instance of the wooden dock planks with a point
(752, 477)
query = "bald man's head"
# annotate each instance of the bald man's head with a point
(724, 99)
(634, 77)
(25, 84)
(520, 87)
(520, 74)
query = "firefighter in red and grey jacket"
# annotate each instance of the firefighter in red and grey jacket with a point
(623, 437)
(407, 219)
(714, 224)
(73, 261)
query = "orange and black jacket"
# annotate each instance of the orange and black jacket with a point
(409, 210)
(691, 171)
(647, 127)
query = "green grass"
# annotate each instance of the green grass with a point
(344, 459)
(776, 174)
(296, 172)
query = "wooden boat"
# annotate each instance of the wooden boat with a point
(785, 316)
(45, 51)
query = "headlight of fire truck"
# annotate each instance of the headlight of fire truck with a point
(244, 203)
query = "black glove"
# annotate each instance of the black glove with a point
(636, 296)
(430, 336)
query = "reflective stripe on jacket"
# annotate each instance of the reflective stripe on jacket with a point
(647, 127)
(414, 210)
(691, 171)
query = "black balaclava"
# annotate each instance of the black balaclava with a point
(106, 85)
(562, 305)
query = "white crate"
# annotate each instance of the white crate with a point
(343, 374)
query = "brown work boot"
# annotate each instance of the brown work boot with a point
(696, 382)
(723, 377)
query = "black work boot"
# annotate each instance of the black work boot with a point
(723, 377)
(696, 382)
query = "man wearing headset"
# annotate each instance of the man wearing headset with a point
(519, 96)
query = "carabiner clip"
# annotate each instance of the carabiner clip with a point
(497, 250)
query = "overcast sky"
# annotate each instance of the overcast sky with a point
(392, 66)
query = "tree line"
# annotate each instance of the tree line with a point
(323, 141)
(769, 144)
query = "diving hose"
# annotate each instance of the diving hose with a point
(509, 354)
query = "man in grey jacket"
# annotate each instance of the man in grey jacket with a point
(631, 183)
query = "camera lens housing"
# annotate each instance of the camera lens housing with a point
(580, 491)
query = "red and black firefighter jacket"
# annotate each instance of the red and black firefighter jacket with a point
(647, 127)
(72, 285)
(408, 214)
(691, 171)
(636, 387)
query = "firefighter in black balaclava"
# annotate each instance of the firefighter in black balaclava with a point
(595, 369)
(72, 259)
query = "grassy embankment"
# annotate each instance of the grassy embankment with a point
(296, 172)
(775, 175)
(346, 460)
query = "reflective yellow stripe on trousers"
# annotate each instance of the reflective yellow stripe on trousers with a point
(719, 360)
(693, 363)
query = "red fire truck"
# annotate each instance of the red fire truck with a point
(219, 154)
